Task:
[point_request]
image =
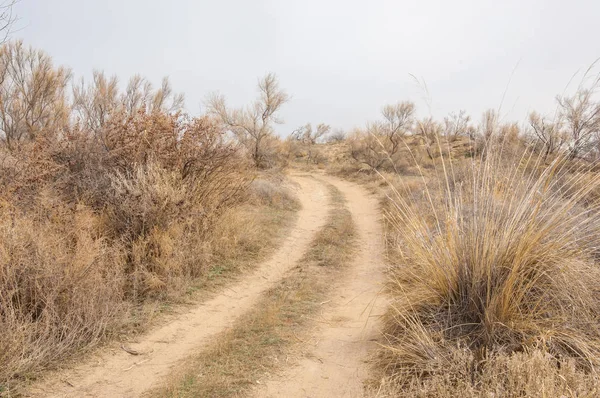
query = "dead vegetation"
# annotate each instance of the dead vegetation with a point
(482, 258)
(111, 203)
(253, 125)
(492, 233)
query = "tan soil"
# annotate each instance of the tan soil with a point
(334, 361)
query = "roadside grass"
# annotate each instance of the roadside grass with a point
(246, 237)
(260, 341)
(493, 281)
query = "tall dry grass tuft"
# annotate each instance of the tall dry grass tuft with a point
(492, 259)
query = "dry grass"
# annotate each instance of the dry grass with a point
(521, 374)
(248, 233)
(259, 341)
(494, 281)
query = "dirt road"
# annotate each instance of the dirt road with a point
(116, 373)
(334, 366)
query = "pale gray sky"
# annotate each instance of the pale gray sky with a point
(341, 60)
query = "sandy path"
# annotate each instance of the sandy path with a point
(335, 362)
(119, 374)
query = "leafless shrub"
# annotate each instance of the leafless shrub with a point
(488, 126)
(458, 125)
(550, 135)
(32, 94)
(61, 286)
(379, 145)
(308, 138)
(7, 19)
(430, 131)
(399, 119)
(581, 117)
(254, 124)
(337, 135)
(366, 147)
(95, 104)
(165, 100)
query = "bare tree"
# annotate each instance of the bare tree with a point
(366, 147)
(378, 145)
(398, 119)
(32, 93)
(430, 130)
(458, 124)
(97, 102)
(548, 134)
(309, 137)
(338, 135)
(7, 19)
(253, 124)
(581, 115)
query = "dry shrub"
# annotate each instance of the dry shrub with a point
(61, 286)
(369, 148)
(253, 124)
(91, 227)
(492, 261)
(374, 151)
(275, 155)
(272, 192)
(163, 222)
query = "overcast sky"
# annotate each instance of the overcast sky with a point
(341, 60)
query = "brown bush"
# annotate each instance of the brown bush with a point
(61, 285)
(90, 227)
(253, 125)
(32, 94)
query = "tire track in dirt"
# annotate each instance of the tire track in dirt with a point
(119, 374)
(335, 363)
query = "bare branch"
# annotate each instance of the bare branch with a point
(254, 124)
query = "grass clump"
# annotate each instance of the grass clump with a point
(495, 272)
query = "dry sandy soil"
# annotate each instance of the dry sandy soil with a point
(333, 361)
